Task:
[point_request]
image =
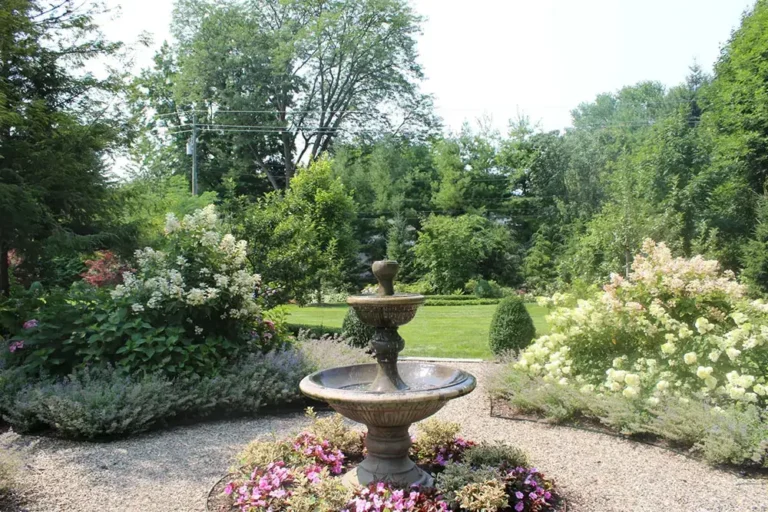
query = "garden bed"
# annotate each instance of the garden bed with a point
(303, 474)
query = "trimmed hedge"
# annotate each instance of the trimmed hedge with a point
(470, 302)
(511, 327)
(316, 331)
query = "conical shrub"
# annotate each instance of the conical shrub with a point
(511, 327)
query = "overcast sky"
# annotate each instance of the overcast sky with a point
(540, 58)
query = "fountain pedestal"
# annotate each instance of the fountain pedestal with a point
(387, 396)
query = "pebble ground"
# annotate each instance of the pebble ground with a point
(173, 470)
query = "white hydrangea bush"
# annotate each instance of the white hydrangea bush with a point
(200, 279)
(675, 327)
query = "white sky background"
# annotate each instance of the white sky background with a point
(540, 58)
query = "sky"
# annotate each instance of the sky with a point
(499, 59)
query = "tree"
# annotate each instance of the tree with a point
(453, 250)
(279, 81)
(56, 125)
(303, 241)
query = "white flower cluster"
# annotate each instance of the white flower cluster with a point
(679, 327)
(201, 268)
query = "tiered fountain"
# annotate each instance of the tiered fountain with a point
(387, 396)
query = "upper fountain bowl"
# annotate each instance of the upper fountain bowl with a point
(386, 310)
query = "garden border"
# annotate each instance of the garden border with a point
(751, 476)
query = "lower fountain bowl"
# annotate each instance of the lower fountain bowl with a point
(431, 386)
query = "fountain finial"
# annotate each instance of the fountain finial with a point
(385, 272)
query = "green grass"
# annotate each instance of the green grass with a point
(437, 331)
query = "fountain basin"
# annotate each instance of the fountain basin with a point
(430, 386)
(389, 414)
(386, 311)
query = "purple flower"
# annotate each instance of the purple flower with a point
(16, 345)
(519, 495)
(29, 324)
(519, 506)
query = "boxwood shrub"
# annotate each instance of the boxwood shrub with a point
(511, 327)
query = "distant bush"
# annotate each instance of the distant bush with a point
(511, 327)
(469, 302)
(484, 289)
(315, 331)
(355, 331)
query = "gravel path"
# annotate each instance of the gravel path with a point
(172, 471)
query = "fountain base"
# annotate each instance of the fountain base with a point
(388, 460)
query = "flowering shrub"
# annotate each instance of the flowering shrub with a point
(105, 270)
(201, 281)
(300, 475)
(188, 310)
(674, 328)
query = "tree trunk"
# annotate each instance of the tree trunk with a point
(288, 156)
(5, 279)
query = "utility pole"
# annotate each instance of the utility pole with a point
(192, 148)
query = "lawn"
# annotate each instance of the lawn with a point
(437, 331)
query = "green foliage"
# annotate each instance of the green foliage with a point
(471, 302)
(280, 65)
(147, 201)
(451, 250)
(56, 128)
(457, 475)
(314, 331)
(93, 402)
(305, 238)
(495, 454)
(355, 331)
(511, 327)
(733, 434)
(756, 252)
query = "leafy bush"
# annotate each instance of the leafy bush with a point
(105, 270)
(733, 434)
(355, 331)
(484, 289)
(103, 402)
(495, 454)
(511, 326)
(188, 310)
(675, 328)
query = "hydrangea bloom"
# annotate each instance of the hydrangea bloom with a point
(673, 327)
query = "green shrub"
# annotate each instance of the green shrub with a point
(94, 403)
(486, 289)
(191, 309)
(511, 327)
(355, 331)
(495, 454)
(456, 476)
(735, 434)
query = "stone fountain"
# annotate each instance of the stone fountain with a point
(387, 396)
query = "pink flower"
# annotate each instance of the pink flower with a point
(16, 345)
(29, 324)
